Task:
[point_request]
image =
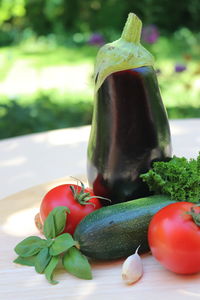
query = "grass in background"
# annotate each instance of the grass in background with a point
(46, 86)
(180, 89)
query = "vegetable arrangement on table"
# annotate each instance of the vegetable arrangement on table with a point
(114, 231)
(154, 198)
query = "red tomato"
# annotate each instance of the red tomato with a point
(174, 237)
(78, 202)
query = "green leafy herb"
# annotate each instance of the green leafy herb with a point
(61, 244)
(44, 254)
(77, 264)
(26, 261)
(30, 246)
(179, 178)
(50, 269)
(42, 259)
(49, 227)
(55, 222)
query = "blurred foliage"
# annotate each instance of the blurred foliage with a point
(45, 113)
(63, 17)
(18, 118)
(177, 68)
(46, 36)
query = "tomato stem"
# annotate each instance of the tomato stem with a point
(195, 215)
(83, 197)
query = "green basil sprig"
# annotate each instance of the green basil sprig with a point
(50, 269)
(42, 259)
(26, 261)
(55, 222)
(44, 254)
(77, 264)
(61, 244)
(30, 246)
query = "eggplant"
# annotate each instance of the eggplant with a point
(129, 131)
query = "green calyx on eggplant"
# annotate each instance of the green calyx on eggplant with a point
(130, 128)
(122, 54)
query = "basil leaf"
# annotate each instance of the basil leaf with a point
(49, 242)
(50, 268)
(60, 217)
(49, 227)
(77, 264)
(30, 246)
(26, 261)
(55, 222)
(61, 244)
(42, 259)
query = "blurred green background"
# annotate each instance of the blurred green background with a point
(48, 48)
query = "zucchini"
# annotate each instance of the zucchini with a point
(115, 231)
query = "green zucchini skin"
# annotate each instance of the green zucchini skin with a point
(115, 231)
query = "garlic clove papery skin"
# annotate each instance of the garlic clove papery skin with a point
(132, 269)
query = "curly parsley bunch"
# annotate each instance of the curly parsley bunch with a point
(179, 178)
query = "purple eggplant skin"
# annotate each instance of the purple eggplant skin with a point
(130, 130)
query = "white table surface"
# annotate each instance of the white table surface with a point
(38, 158)
(34, 159)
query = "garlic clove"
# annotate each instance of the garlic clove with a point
(132, 268)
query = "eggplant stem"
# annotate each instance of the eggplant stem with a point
(132, 29)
